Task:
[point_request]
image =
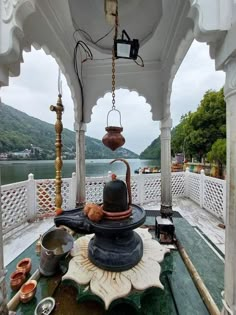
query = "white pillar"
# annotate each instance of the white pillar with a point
(166, 194)
(3, 290)
(230, 241)
(80, 163)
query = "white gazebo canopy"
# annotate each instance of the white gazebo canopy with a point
(165, 30)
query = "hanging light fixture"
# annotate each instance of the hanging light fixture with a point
(113, 139)
(123, 47)
(126, 48)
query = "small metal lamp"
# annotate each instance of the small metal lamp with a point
(126, 48)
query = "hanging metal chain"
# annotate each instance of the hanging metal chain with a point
(113, 81)
(113, 88)
(113, 62)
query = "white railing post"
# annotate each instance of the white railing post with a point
(72, 196)
(3, 288)
(141, 190)
(31, 197)
(202, 179)
(224, 202)
(186, 182)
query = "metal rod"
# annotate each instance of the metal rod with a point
(202, 289)
(58, 161)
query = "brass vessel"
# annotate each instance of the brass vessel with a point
(17, 278)
(113, 139)
(28, 290)
(24, 265)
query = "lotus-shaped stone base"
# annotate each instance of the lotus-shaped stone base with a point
(110, 286)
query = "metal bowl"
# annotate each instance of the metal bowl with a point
(45, 306)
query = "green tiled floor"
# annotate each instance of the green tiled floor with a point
(179, 297)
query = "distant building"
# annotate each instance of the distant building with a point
(22, 154)
(35, 150)
(3, 156)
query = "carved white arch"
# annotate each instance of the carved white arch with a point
(68, 72)
(230, 82)
(13, 14)
(211, 18)
(128, 76)
(179, 56)
(148, 106)
(14, 39)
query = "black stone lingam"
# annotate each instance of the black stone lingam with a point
(115, 246)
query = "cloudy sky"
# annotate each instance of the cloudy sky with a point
(36, 89)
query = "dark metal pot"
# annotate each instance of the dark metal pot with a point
(55, 245)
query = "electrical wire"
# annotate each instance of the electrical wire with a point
(89, 38)
(97, 59)
(142, 63)
(80, 44)
(83, 47)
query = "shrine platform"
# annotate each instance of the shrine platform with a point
(180, 296)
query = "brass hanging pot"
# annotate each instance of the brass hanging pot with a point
(113, 139)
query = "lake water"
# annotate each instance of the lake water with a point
(16, 171)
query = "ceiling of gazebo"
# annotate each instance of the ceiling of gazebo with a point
(163, 28)
(138, 18)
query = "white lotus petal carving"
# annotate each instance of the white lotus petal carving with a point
(154, 251)
(81, 245)
(80, 270)
(109, 285)
(144, 234)
(144, 275)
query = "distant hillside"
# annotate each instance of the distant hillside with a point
(19, 131)
(153, 151)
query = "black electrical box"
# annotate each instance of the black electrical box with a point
(165, 230)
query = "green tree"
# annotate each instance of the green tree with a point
(218, 154)
(180, 136)
(208, 123)
(199, 130)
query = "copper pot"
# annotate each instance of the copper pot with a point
(24, 265)
(17, 278)
(113, 139)
(28, 290)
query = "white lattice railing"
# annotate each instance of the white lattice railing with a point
(45, 196)
(208, 192)
(14, 205)
(32, 199)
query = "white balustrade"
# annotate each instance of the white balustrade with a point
(45, 196)
(208, 192)
(32, 199)
(14, 201)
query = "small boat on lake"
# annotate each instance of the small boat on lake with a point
(147, 170)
